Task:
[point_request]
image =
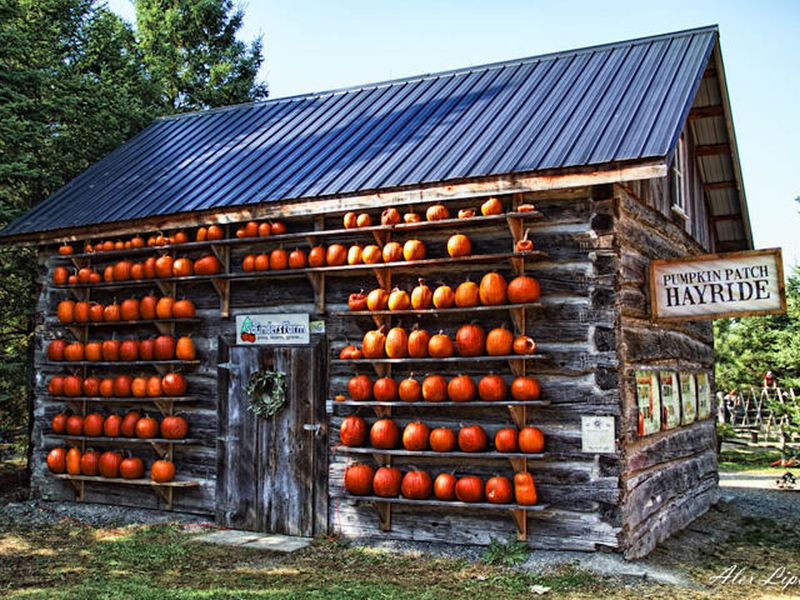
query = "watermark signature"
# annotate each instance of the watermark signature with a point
(781, 577)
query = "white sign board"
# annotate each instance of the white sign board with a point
(597, 435)
(273, 329)
(718, 285)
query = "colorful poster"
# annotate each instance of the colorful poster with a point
(703, 396)
(688, 398)
(648, 400)
(670, 400)
(273, 329)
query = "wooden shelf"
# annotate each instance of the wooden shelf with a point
(304, 236)
(453, 503)
(124, 440)
(94, 324)
(121, 363)
(433, 361)
(433, 454)
(117, 400)
(164, 490)
(435, 312)
(447, 404)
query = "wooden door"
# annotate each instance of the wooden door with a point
(272, 473)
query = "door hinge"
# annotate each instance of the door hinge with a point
(226, 365)
(315, 427)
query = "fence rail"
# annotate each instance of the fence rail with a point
(754, 409)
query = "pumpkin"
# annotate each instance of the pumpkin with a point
(109, 464)
(470, 340)
(416, 485)
(415, 436)
(443, 297)
(147, 349)
(396, 343)
(164, 347)
(505, 440)
(363, 220)
(469, 489)
(149, 266)
(392, 252)
(74, 461)
(57, 460)
(360, 388)
(525, 489)
(278, 259)
(434, 388)
(173, 384)
(147, 307)
(96, 312)
(444, 486)
(72, 280)
(492, 289)
(146, 427)
(386, 482)
(385, 389)
(499, 342)
(398, 300)
(418, 341)
(440, 346)
(261, 263)
(442, 439)
(153, 387)
(59, 423)
(466, 213)
(358, 480)
(350, 220)
(107, 387)
(492, 388)
(499, 490)
(277, 228)
(164, 266)
(248, 263)
(90, 463)
(335, 255)
(137, 271)
(492, 206)
(472, 438)
(215, 233)
(82, 312)
(459, 245)
(374, 343)
(182, 267)
(110, 350)
(74, 352)
(531, 440)
(207, 265)
(316, 257)
(60, 276)
(390, 216)
(523, 289)
(93, 424)
(350, 352)
(526, 208)
(251, 229)
(73, 386)
(437, 212)
(462, 388)
(421, 296)
(524, 245)
(65, 250)
(354, 254)
(353, 431)
(91, 387)
(384, 434)
(412, 217)
(371, 255)
(162, 471)
(139, 387)
(66, 311)
(524, 345)
(111, 312)
(357, 301)
(55, 350)
(85, 274)
(409, 390)
(111, 426)
(183, 309)
(122, 386)
(138, 242)
(378, 299)
(414, 250)
(525, 389)
(129, 350)
(184, 348)
(56, 386)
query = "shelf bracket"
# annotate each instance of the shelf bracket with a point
(79, 333)
(517, 366)
(223, 287)
(521, 521)
(520, 465)
(518, 415)
(168, 288)
(382, 237)
(166, 495)
(518, 319)
(382, 370)
(384, 277)
(81, 295)
(165, 328)
(317, 281)
(80, 489)
(384, 510)
(383, 460)
(163, 450)
(165, 407)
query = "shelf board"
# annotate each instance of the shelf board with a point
(448, 404)
(124, 440)
(180, 483)
(304, 235)
(129, 323)
(116, 400)
(436, 312)
(431, 453)
(122, 363)
(452, 503)
(433, 361)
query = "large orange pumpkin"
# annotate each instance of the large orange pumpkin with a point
(434, 388)
(316, 257)
(492, 388)
(358, 480)
(418, 341)
(437, 212)
(129, 350)
(74, 425)
(66, 311)
(384, 434)
(392, 252)
(385, 389)
(207, 265)
(357, 301)
(278, 259)
(396, 343)
(55, 386)
(111, 426)
(416, 485)
(164, 307)
(467, 294)
(110, 350)
(399, 300)
(336, 255)
(59, 423)
(147, 349)
(82, 314)
(371, 255)
(90, 463)
(147, 307)
(459, 245)
(415, 436)
(374, 344)
(73, 386)
(353, 431)
(74, 352)
(93, 425)
(164, 347)
(443, 297)
(173, 384)
(183, 309)
(55, 349)
(96, 312)
(131, 467)
(146, 427)
(444, 486)
(91, 387)
(409, 390)
(164, 266)
(472, 438)
(153, 387)
(111, 312)
(531, 440)
(523, 289)
(499, 490)
(525, 388)
(184, 348)
(414, 250)
(470, 340)
(386, 482)
(492, 290)
(139, 387)
(440, 346)
(462, 388)
(162, 471)
(421, 296)
(442, 439)
(505, 440)
(360, 388)
(469, 489)
(122, 386)
(182, 267)
(499, 342)
(57, 460)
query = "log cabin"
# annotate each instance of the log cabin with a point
(605, 157)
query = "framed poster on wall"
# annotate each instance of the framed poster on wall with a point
(670, 400)
(688, 398)
(647, 398)
(703, 396)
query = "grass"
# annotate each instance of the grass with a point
(743, 458)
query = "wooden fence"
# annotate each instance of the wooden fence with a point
(749, 410)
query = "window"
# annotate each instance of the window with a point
(680, 180)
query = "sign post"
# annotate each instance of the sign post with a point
(712, 286)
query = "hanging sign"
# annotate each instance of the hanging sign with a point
(712, 286)
(273, 329)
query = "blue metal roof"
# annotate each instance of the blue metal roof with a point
(617, 102)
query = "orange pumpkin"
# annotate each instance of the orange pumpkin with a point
(462, 388)
(415, 436)
(378, 299)
(434, 388)
(470, 340)
(412, 217)
(499, 342)
(316, 257)
(129, 350)
(399, 300)
(472, 438)
(139, 387)
(264, 230)
(505, 440)
(55, 350)
(414, 250)
(442, 439)
(440, 346)
(421, 296)
(297, 259)
(174, 428)
(184, 348)
(164, 347)
(354, 255)
(385, 389)
(60, 276)
(215, 233)
(492, 290)
(492, 206)
(384, 434)
(122, 386)
(459, 245)
(437, 212)
(524, 345)
(525, 388)
(409, 390)
(147, 307)
(72, 386)
(74, 461)
(129, 309)
(363, 220)
(469, 489)
(153, 387)
(131, 467)
(396, 343)
(149, 267)
(248, 263)
(371, 255)
(55, 387)
(392, 252)
(147, 349)
(66, 311)
(443, 297)
(96, 312)
(111, 426)
(182, 267)
(93, 424)
(531, 440)
(336, 255)
(418, 341)
(374, 344)
(146, 427)
(499, 490)
(350, 220)
(390, 216)
(93, 351)
(164, 266)
(444, 486)
(523, 289)
(82, 314)
(278, 259)
(111, 312)
(207, 265)
(74, 352)
(91, 387)
(360, 388)
(183, 309)
(492, 388)
(467, 294)
(358, 480)
(173, 384)
(110, 350)
(90, 463)
(162, 471)
(261, 262)
(164, 307)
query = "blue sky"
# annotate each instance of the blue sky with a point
(315, 45)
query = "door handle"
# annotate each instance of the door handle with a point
(315, 427)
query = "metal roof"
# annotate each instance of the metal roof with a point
(625, 101)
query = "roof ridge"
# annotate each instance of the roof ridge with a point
(457, 71)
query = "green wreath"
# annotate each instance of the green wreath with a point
(267, 392)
